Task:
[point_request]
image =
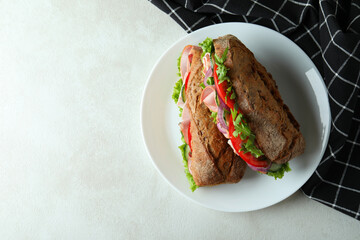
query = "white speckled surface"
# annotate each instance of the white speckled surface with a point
(72, 161)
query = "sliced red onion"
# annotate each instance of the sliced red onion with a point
(260, 169)
(223, 128)
(221, 124)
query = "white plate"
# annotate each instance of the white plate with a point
(301, 87)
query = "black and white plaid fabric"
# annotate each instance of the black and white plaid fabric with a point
(329, 32)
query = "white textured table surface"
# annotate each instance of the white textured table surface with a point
(72, 161)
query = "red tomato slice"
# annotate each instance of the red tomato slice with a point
(221, 90)
(186, 81)
(237, 141)
(189, 137)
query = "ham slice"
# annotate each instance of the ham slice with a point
(185, 123)
(185, 62)
(207, 64)
(208, 97)
(207, 70)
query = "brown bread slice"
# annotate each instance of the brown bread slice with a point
(213, 161)
(277, 132)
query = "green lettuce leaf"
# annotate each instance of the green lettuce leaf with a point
(178, 84)
(221, 69)
(280, 173)
(190, 178)
(214, 116)
(177, 90)
(242, 129)
(176, 94)
(210, 81)
(207, 46)
(222, 73)
(178, 65)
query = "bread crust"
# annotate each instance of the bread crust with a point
(277, 132)
(213, 161)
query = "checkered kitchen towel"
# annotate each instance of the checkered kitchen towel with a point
(329, 32)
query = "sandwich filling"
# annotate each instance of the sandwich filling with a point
(184, 62)
(219, 96)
